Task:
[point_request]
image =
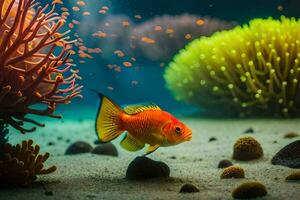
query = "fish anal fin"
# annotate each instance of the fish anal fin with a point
(151, 149)
(133, 109)
(130, 143)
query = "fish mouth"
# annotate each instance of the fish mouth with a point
(188, 138)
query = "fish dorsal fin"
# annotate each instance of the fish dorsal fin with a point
(136, 108)
(130, 143)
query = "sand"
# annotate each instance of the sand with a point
(89, 176)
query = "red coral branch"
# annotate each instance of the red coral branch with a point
(30, 72)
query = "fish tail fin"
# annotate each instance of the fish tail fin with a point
(108, 122)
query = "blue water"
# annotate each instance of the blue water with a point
(147, 84)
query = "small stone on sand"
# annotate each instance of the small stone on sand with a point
(51, 143)
(79, 147)
(233, 172)
(249, 130)
(290, 135)
(142, 168)
(247, 148)
(48, 193)
(59, 138)
(294, 176)
(105, 149)
(249, 190)
(189, 188)
(224, 164)
(288, 156)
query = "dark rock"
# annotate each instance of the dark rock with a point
(189, 188)
(290, 135)
(91, 196)
(142, 168)
(106, 149)
(79, 147)
(288, 156)
(224, 164)
(96, 142)
(212, 139)
(294, 176)
(59, 138)
(51, 143)
(68, 140)
(173, 157)
(249, 130)
(249, 190)
(233, 172)
(247, 148)
(49, 193)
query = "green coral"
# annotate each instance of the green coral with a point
(249, 70)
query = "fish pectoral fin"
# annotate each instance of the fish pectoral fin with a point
(151, 149)
(130, 143)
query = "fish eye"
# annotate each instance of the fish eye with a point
(178, 130)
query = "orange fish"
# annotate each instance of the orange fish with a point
(144, 124)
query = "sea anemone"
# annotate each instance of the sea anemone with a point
(233, 172)
(249, 70)
(247, 148)
(249, 190)
(21, 163)
(160, 38)
(35, 68)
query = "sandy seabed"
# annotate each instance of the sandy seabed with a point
(89, 176)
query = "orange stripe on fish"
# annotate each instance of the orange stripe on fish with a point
(144, 124)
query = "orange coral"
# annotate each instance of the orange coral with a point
(21, 163)
(34, 57)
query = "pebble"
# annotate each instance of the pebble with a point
(249, 130)
(51, 144)
(290, 135)
(142, 168)
(49, 193)
(247, 148)
(288, 156)
(105, 149)
(249, 190)
(224, 164)
(233, 172)
(189, 188)
(294, 176)
(79, 147)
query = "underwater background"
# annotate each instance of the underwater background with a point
(144, 82)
